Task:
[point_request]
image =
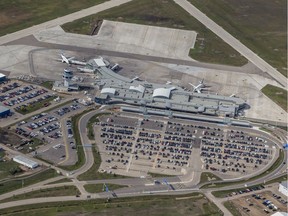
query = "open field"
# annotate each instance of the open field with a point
(6, 166)
(276, 94)
(208, 47)
(49, 192)
(190, 204)
(97, 188)
(229, 205)
(15, 184)
(16, 15)
(262, 26)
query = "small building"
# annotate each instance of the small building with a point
(26, 162)
(283, 188)
(2, 77)
(4, 111)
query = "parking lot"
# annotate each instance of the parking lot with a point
(24, 97)
(49, 128)
(136, 145)
(261, 203)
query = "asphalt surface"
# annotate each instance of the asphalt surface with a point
(233, 42)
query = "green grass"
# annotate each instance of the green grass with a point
(181, 205)
(260, 25)
(207, 176)
(97, 188)
(35, 106)
(274, 166)
(90, 123)
(93, 174)
(47, 84)
(5, 166)
(80, 151)
(229, 205)
(21, 14)
(48, 192)
(15, 184)
(276, 94)
(208, 47)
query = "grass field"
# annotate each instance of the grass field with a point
(190, 204)
(5, 167)
(49, 192)
(19, 14)
(93, 174)
(276, 94)
(208, 47)
(207, 176)
(260, 25)
(97, 188)
(15, 184)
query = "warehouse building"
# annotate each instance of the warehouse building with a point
(4, 111)
(25, 162)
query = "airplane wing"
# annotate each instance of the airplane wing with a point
(193, 85)
(198, 90)
(71, 58)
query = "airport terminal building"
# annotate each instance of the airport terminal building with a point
(114, 88)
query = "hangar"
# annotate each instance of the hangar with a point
(25, 161)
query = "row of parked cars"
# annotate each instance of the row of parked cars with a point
(9, 87)
(26, 97)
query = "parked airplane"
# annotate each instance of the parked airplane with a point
(69, 60)
(86, 70)
(168, 83)
(199, 87)
(135, 78)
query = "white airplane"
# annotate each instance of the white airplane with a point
(199, 87)
(85, 70)
(135, 78)
(232, 95)
(69, 60)
(168, 82)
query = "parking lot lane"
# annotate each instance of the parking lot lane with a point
(64, 132)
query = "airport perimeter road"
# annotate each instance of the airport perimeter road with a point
(232, 41)
(61, 20)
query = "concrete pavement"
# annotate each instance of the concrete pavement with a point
(233, 42)
(61, 20)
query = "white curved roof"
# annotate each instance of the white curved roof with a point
(138, 88)
(108, 91)
(162, 92)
